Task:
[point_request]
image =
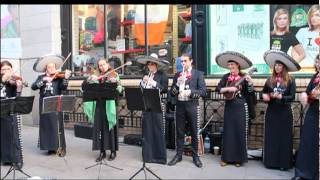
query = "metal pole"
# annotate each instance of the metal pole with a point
(146, 31)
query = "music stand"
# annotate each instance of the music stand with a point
(100, 93)
(21, 105)
(57, 104)
(144, 100)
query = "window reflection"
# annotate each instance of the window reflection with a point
(116, 32)
(91, 40)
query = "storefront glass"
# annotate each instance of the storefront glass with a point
(116, 32)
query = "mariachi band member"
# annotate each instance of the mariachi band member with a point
(236, 112)
(307, 163)
(188, 85)
(153, 123)
(279, 91)
(51, 83)
(11, 142)
(104, 113)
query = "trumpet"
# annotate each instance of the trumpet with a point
(184, 77)
(147, 85)
(182, 86)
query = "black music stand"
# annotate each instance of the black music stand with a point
(57, 104)
(21, 105)
(100, 93)
(143, 100)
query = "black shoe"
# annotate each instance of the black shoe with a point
(112, 156)
(102, 155)
(177, 158)
(51, 152)
(297, 178)
(283, 169)
(197, 162)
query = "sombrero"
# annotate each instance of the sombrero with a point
(152, 58)
(222, 59)
(41, 64)
(272, 56)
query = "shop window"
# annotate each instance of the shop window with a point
(118, 35)
(88, 38)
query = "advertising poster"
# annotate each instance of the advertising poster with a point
(10, 32)
(247, 29)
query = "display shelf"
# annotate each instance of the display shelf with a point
(186, 39)
(127, 22)
(185, 15)
(128, 51)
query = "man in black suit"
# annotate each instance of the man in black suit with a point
(188, 85)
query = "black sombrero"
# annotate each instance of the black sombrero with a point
(41, 64)
(222, 59)
(272, 56)
(152, 58)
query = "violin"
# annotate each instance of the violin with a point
(109, 74)
(58, 75)
(16, 77)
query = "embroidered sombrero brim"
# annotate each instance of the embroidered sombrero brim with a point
(272, 56)
(41, 64)
(146, 59)
(222, 59)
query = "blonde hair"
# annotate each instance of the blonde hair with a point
(103, 59)
(312, 9)
(315, 61)
(276, 15)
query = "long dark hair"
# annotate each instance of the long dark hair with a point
(284, 74)
(5, 63)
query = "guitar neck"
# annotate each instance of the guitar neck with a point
(240, 81)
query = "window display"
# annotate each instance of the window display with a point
(116, 32)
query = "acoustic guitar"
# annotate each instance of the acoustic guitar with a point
(232, 95)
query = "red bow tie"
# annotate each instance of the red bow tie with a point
(317, 80)
(233, 77)
(188, 76)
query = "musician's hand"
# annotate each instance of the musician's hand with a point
(180, 80)
(266, 97)
(5, 77)
(67, 74)
(93, 78)
(279, 96)
(19, 85)
(187, 92)
(153, 83)
(112, 79)
(315, 92)
(249, 79)
(303, 98)
(232, 89)
(145, 78)
(47, 79)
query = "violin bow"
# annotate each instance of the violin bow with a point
(63, 64)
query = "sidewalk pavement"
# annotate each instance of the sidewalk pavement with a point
(79, 156)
